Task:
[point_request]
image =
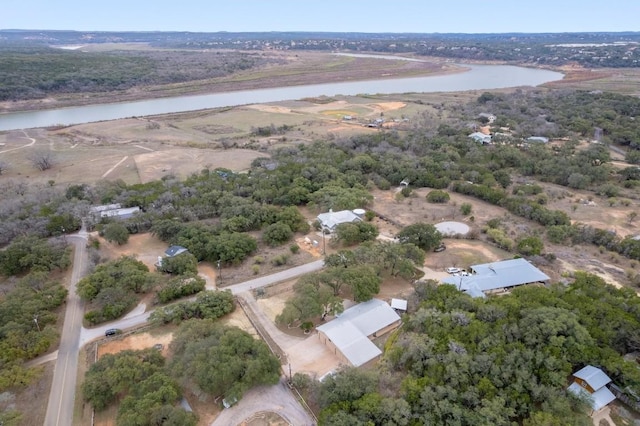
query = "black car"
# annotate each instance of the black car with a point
(112, 332)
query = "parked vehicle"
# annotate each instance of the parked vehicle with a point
(112, 332)
(453, 270)
(440, 248)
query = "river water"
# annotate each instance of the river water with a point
(479, 77)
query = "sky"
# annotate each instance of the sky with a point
(371, 16)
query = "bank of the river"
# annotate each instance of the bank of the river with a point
(301, 68)
(479, 77)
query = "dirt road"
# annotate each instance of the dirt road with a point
(277, 399)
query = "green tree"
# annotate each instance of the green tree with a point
(180, 287)
(354, 233)
(423, 235)
(182, 264)
(31, 252)
(220, 360)
(116, 232)
(277, 234)
(466, 208)
(438, 196)
(529, 246)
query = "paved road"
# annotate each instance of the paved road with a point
(87, 335)
(74, 336)
(63, 387)
(276, 278)
(277, 399)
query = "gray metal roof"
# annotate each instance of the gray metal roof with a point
(332, 219)
(349, 332)
(495, 275)
(595, 377)
(174, 251)
(599, 398)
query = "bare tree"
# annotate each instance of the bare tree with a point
(42, 160)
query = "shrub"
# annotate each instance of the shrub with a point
(280, 260)
(277, 233)
(438, 196)
(466, 208)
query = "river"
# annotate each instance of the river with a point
(479, 77)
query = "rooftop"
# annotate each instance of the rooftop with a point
(349, 332)
(332, 219)
(595, 377)
(495, 275)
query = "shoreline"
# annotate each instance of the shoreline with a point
(358, 71)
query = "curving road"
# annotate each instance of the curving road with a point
(74, 336)
(63, 387)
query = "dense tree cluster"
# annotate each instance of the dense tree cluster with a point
(34, 209)
(221, 361)
(497, 361)
(181, 286)
(32, 253)
(356, 274)
(34, 72)
(111, 288)
(28, 317)
(139, 379)
(208, 305)
(354, 233)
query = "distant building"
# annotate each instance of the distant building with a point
(115, 211)
(331, 219)
(493, 277)
(592, 382)
(173, 251)
(481, 138)
(348, 336)
(490, 117)
(538, 139)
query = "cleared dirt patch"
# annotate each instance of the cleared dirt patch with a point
(137, 341)
(183, 162)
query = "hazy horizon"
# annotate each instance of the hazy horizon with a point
(373, 16)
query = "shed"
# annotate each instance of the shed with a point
(399, 304)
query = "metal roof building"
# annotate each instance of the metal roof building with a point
(593, 382)
(489, 277)
(174, 251)
(350, 332)
(332, 219)
(123, 213)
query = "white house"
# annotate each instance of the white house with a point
(481, 138)
(331, 219)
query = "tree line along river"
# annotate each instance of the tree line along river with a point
(478, 77)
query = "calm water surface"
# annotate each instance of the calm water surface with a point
(479, 77)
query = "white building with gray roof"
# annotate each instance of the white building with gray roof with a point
(349, 335)
(491, 277)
